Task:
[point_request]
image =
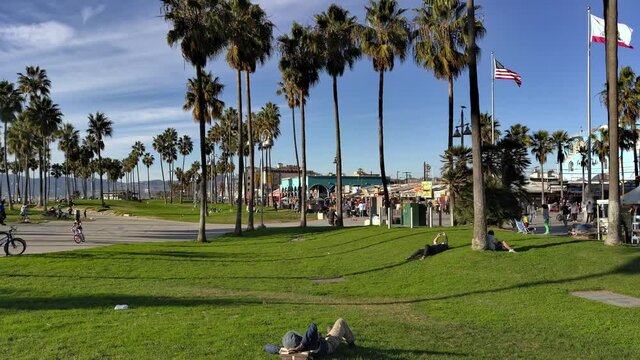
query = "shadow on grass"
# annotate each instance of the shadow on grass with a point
(548, 245)
(99, 301)
(374, 353)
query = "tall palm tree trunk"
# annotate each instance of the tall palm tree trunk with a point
(139, 192)
(100, 173)
(238, 228)
(383, 174)
(542, 183)
(202, 233)
(25, 201)
(303, 184)
(561, 183)
(479, 211)
(164, 186)
(602, 181)
(611, 35)
(183, 170)
(6, 168)
(450, 140)
(148, 184)
(635, 152)
(40, 182)
(252, 180)
(55, 185)
(339, 220)
(295, 148)
(622, 168)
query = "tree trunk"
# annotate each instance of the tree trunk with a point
(338, 220)
(541, 182)
(6, 168)
(55, 184)
(383, 174)
(100, 173)
(622, 168)
(561, 187)
(202, 233)
(451, 113)
(66, 178)
(238, 228)
(40, 168)
(25, 201)
(303, 185)
(602, 181)
(635, 152)
(295, 148)
(252, 154)
(479, 212)
(148, 184)
(164, 186)
(611, 35)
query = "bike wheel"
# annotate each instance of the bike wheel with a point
(77, 238)
(15, 247)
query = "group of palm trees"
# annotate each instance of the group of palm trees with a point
(204, 29)
(32, 122)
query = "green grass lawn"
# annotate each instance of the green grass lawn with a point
(223, 213)
(226, 299)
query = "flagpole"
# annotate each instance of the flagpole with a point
(588, 192)
(493, 78)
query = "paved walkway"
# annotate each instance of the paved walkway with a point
(110, 229)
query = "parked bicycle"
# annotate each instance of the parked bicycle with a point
(12, 245)
(78, 236)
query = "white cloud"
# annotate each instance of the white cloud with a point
(40, 36)
(88, 12)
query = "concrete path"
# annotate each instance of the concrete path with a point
(109, 229)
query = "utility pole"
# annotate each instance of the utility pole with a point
(406, 176)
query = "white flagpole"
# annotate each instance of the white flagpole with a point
(588, 103)
(493, 78)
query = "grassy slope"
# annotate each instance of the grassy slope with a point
(226, 299)
(187, 212)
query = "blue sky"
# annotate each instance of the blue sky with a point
(111, 56)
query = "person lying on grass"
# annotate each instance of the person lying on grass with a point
(313, 342)
(435, 248)
(496, 245)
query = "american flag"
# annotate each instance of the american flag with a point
(503, 73)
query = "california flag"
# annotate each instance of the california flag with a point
(597, 32)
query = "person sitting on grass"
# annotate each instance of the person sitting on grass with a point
(496, 245)
(435, 248)
(313, 342)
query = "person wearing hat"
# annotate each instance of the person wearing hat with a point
(313, 342)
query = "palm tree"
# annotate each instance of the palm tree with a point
(197, 28)
(456, 173)
(159, 145)
(250, 36)
(213, 106)
(170, 155)
(21, 142)
(185, 147)
(268, 121)
(338, 32)
(300, 64)
(100, 127)
(138, 150)
(611, 35)
(541, 146)
(584, 161)
(34, 82)
(288, 90)
(147, 160)
(519, 132)
(562, 144)
(486, 125)
(440, 42)
(384, 37)
(627, 139)
(600, 148)
(68, 140)
(47, 117)
(56, 172)
(10, 106)
(479, 210)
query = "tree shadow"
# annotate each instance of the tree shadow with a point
(548, 245)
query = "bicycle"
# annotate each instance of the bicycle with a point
(12, 245)
(78, 236)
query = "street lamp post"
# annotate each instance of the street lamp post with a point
(462, 129)
(266, 143)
